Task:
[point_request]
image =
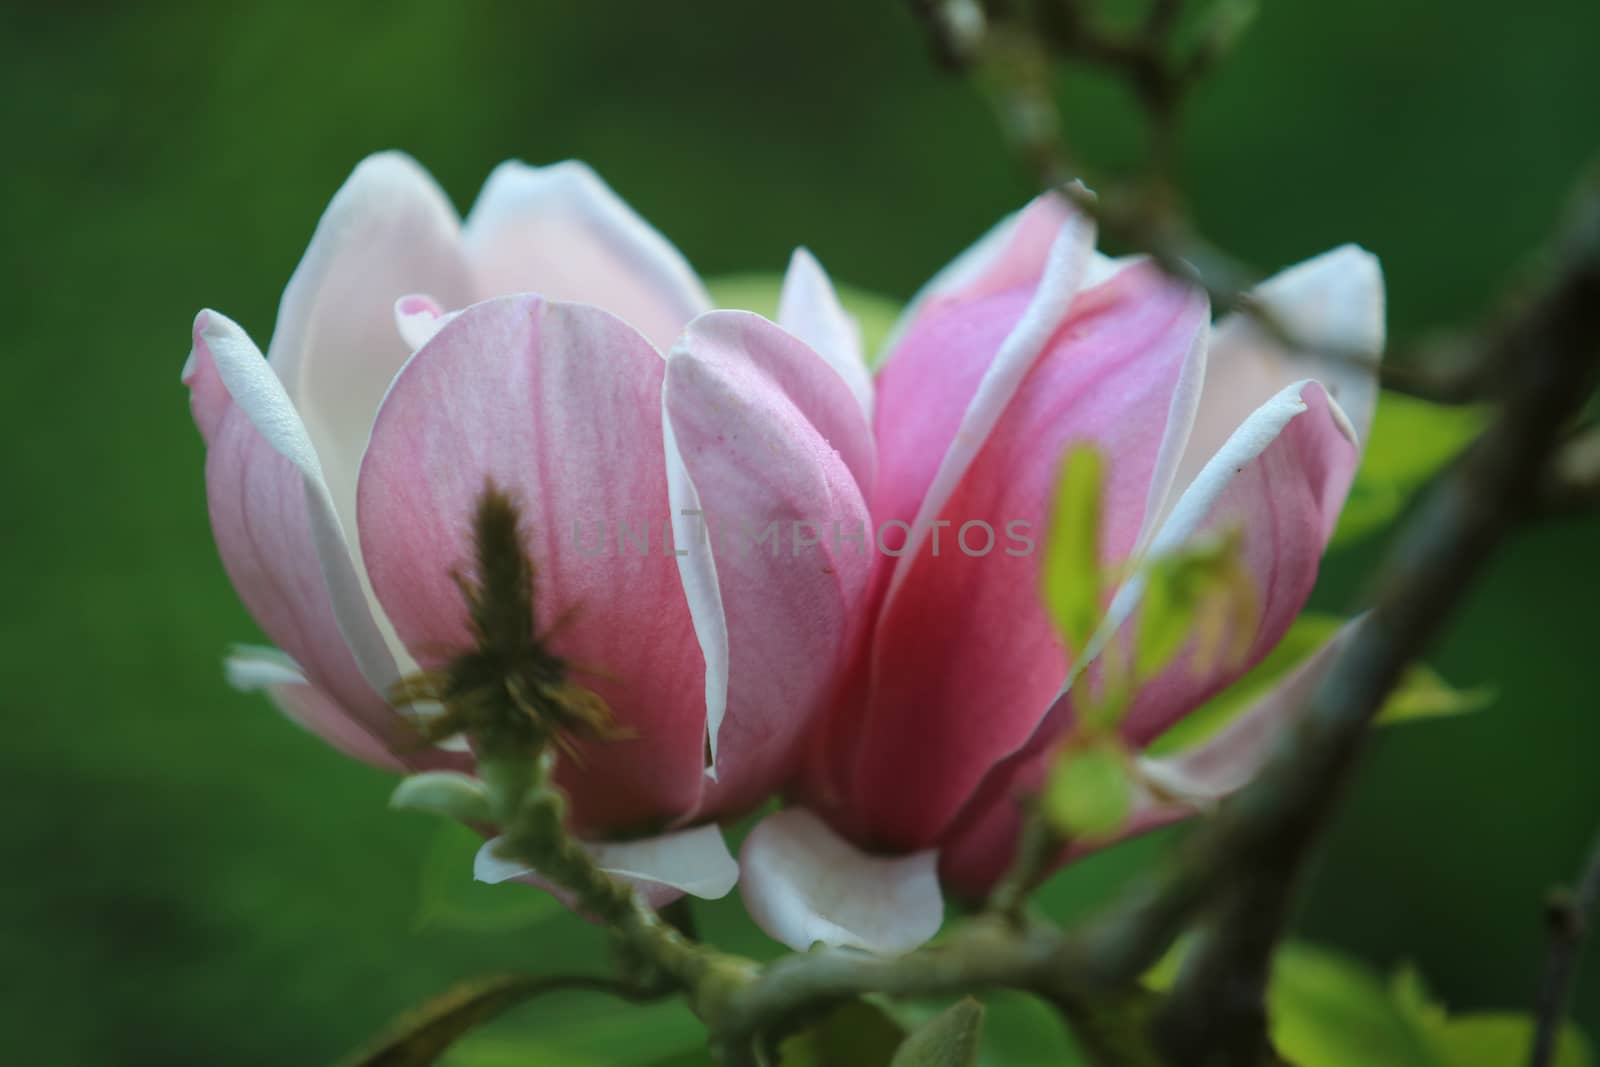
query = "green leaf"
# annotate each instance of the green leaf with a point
(855, 1034)
(875, 314)
(949, 1039)
(448, 793)
(1330, 1011)
(421, 1036)
(1116, 1029)
(449, 898)
(690, 1057)
(1477, 1039)
(1410, 995)
(1411, 440)
(1327, 1010)
(1493, 1039)
(592, 1031)
(1090, 791)
(1421, 694)
(1072, 579)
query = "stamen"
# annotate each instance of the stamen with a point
(509, 683)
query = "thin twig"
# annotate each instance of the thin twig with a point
(1012, 61)
(1037, 844)
(1573, 480)
(537, 834)
(1570, 914)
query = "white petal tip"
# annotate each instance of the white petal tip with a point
(418, 317)
(390, 167)
(249, 668)
(490, 868)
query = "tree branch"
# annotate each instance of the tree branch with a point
(1570, 914)
(1548, 359)
(1012, 60)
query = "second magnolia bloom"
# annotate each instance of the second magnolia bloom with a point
(958, 692)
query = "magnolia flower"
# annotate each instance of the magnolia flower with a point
(557, 345)
(950, 710)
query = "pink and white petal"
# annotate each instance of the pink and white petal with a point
(973, 682)
(1334, 303)
(1011, 254)
(694, 861)
(562, 232)
(804, 884)
(697, 569)
(251, 669)
(418, 317)
(388, 231)
(1280, 480)
(560, 405)
(1226, 762)
(810, 309)
(767, 434)
(956, 372)
(925, 390)
(281, 541)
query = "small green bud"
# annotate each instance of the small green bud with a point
(1072, 579)
(1202, 594)
(1090, 791)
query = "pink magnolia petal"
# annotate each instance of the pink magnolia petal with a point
(804, 884)
(966, 659)
(1281, 480)
(1203, 774)
(961, 349)
(663, 868)
(954, 374)
(768, 436)
(982, 846)
(810, 309)
(1011, 255)
(560, 231)
(277, 530)
(388, 231)
(559, 404)
(1335, 302)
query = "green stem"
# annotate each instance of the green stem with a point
(536, 833)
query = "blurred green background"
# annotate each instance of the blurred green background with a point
(188, 879)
